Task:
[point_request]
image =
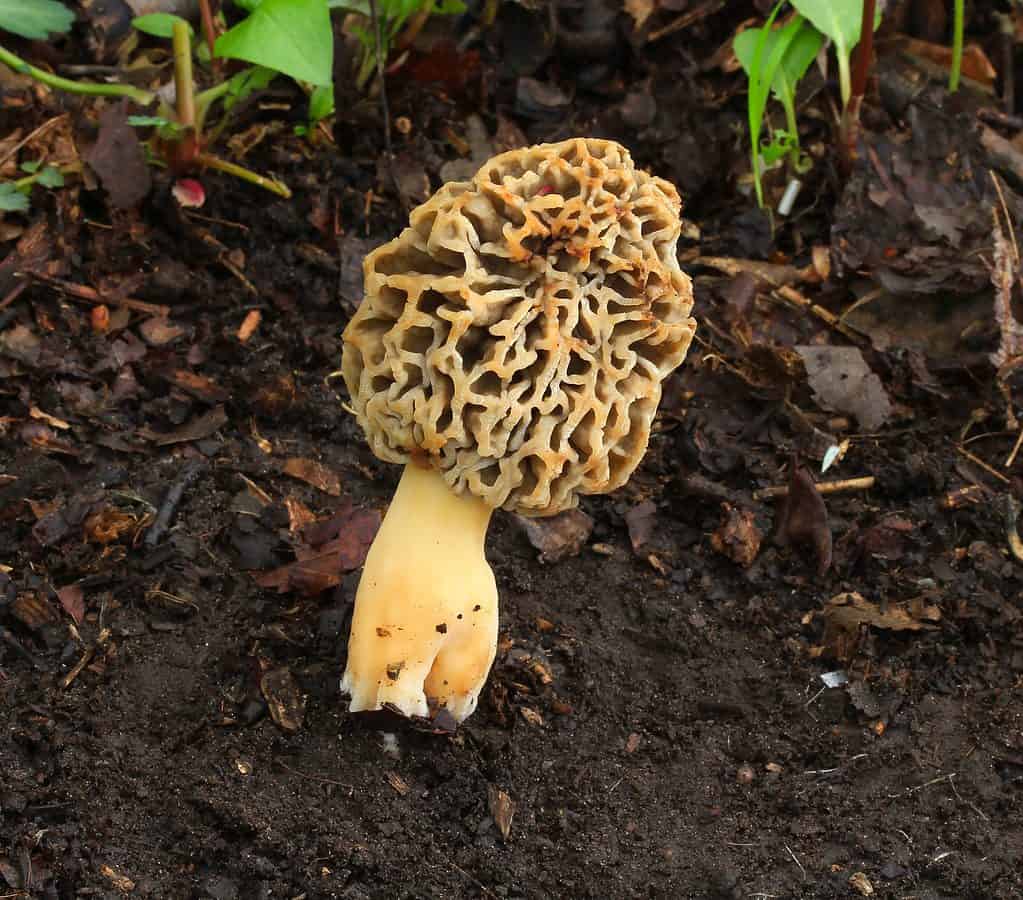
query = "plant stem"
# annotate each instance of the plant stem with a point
(230, 168)
(957, 45)
(92, 88)
(204, 100)
(850, 130)
(789, 103)
(209, 30)
(184, 89)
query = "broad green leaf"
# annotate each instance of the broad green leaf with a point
(246, 82)
(838, 19)
(159, 25)
(798, 56)
(32, 166)
(50, 177)
(248, 5)
(291, 36)
(321, 103)
(11, 199)
(35, 19)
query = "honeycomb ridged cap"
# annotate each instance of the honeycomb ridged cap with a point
(515, 336)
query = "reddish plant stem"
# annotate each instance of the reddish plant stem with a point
(209, 29)
(861, 69)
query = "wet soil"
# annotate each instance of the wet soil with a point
(656, 725)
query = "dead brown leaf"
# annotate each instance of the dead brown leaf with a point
(284, 698)
(803, 517)
(557, 537)
(199, 428)
(73, 601)
(841, 380)
(117, 158)
(108, 524)
(314, 473)
(737, 537)
(502, 808)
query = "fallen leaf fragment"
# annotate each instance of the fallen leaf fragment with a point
(641, 520)
(502, 808)
(314, 473)
(850, 610)
(860, 883)
(73, 601)
(119, 881)
(632, 743)
(117, 158)
(108, 524)
(737, 537)
(803, 517)
(557, 537)
(841, 380)
(199, 428)
(158, 331)
(284, 698)
(31, 609)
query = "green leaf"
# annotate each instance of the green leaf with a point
(321, 103)
(355, 6)
(32, 166)
(782, 143)
(838, 19)
(247, 5)
(291, 36)
(50, 177)
(11, 199)
(35, 19)
(799, 54)
(159, 25)
(247, 82)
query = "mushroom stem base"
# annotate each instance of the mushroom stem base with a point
(424, 632)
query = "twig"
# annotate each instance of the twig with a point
(31, 136)
(91, 295)
(796, 860)
(1011, 457)
(14, 293)
(845, 485)
(977, 461)
(103, 637)
(170, 503)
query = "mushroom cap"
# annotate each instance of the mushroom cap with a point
(515, 336)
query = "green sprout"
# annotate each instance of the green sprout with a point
(774, 62)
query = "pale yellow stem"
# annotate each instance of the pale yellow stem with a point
(424, 630)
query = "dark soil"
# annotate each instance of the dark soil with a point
(656, 724)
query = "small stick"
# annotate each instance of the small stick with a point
(103, 637)
(977, 461)
(845, 485)
(170, 503)
(18, 289)
(91, 295)
(1009, 460)
(222, 165)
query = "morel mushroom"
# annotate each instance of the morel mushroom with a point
(509, 350)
